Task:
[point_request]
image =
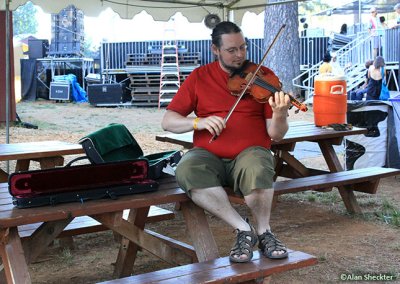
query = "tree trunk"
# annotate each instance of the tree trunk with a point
(284, 56)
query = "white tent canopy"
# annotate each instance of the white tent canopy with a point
(162, 10)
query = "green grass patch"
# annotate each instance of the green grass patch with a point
(311, 197)
(328, 198)
(66, 256)
(368, 201)
(389, 214)
(322, 258)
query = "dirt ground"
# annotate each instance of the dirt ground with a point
(316, 223)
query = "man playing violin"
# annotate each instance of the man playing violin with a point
(240, 156)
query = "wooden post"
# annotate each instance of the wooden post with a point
(12, 112)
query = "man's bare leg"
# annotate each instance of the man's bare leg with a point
(260, 203)
(216, 201)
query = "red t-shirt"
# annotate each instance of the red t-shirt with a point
(205, 93)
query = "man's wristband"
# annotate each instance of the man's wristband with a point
(195, 121)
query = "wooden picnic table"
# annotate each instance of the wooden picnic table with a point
(287, 165)
(49, 154)
(16, 257)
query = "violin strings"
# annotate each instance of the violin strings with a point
(265, 85)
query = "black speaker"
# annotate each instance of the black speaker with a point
(67, 32)
(37, 48)
(104, 94)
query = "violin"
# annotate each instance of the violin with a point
(264, 85)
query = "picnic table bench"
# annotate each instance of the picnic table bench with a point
(362, 180)
(85, 224)
(221, 270)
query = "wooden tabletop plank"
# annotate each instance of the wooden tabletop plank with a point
(299, 131)
(41, 149)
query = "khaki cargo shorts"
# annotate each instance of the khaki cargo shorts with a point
(252, 169)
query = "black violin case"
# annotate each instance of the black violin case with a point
(80, 183)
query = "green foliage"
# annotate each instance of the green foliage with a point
(312, 7)
(89, 50)
(24, 19)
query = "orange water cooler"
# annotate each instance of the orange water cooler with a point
(330, 99)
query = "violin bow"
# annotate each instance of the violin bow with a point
(251, 80)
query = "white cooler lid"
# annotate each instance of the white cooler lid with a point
(329, 77)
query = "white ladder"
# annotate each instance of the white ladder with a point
(169, 73)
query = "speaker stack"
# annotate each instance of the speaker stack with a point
(67, 33)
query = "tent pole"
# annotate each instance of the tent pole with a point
(231, 16)
(7, 5)
(398, 55)
(225, 14)
(7, 25)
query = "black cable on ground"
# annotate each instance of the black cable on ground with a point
(25, 124)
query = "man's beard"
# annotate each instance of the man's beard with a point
(230, 68)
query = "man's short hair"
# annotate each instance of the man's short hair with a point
(223, 28)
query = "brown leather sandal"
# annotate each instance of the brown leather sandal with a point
(245, 241)
(268, 244)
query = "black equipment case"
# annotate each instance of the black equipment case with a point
(104, 94)
(60, 91)
(80, 183)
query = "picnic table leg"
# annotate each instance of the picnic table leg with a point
(22, 165)
(199, 231)
(43, 237)
(334, 165)
(128, 250)
(3, 176)
(12, 255)
(295, 165)
(51, 162)
(296, 168)
(149, 242)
